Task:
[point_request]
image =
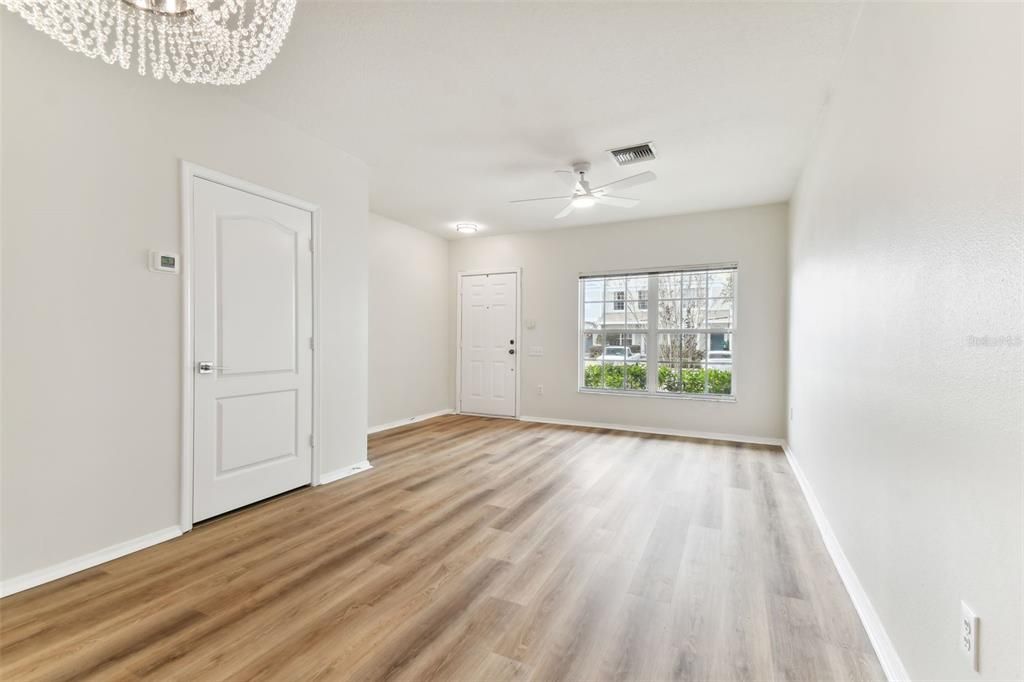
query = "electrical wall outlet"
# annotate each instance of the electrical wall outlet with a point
(540, 389)
(969, 635)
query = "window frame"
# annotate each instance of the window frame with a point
(653, 329)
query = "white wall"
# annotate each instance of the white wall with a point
(408, 313)
(906, 242)
(2, 21)
(552, 261)
(91, 339)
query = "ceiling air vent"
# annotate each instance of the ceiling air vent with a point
(635, 154)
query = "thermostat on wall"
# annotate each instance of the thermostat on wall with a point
(161, 261)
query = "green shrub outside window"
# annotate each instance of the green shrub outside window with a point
(719, 381)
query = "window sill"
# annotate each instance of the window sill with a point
(704, 397)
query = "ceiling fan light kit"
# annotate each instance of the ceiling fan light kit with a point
(216, 42)
(582, 195)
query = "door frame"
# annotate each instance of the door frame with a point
(518, 272)
(190, 172)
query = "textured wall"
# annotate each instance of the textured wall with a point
(906, 249)
(408, 354)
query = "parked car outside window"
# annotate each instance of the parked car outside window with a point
(621, 354)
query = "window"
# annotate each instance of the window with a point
(620, 300)
(689, 333)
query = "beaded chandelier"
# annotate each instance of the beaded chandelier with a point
(219, 42)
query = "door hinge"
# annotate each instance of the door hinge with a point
(311, 343)
(311, 246)
(311, 440)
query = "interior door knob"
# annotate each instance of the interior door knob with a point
(511, 351)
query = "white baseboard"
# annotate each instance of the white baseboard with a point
(755, 440)
(409, 420)
(884, 649)
(66, 568)
(338, 474)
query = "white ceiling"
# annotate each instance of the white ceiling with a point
(459, 108)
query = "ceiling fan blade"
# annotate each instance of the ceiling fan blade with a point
(621, 202)
(631, 181)
(565, 211)
(521, 201)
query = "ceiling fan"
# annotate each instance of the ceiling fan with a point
(582, 195)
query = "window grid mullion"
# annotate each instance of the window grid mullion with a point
(604, 328)
(652, 334)
(707, 337)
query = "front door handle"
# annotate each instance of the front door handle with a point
(208, 367)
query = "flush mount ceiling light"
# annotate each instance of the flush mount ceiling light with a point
(466, 228)
(217, 42)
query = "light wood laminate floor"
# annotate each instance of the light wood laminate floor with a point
(476, 549)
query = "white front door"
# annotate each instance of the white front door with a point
(489, 314)
(253, 328)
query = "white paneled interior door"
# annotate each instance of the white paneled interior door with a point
(252, 342)
(488, 344)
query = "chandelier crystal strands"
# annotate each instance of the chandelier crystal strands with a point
(217, 42)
